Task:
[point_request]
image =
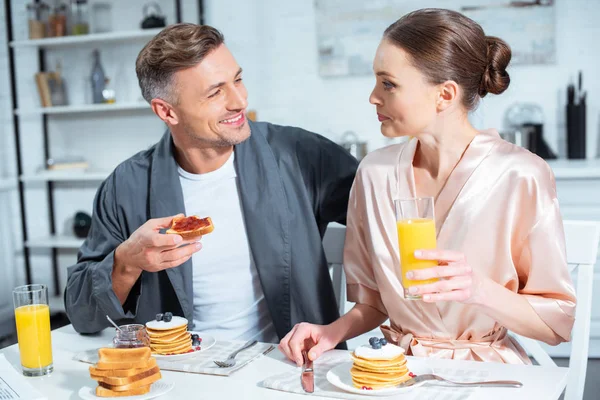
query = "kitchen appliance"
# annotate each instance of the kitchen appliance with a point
(525, 123)
(350, 142)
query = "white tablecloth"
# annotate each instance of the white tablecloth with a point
(247, 383)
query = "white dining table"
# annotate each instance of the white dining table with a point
(70, 375)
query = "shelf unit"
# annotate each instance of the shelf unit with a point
(86, 39)
(55, 242)
(7, 184)
(66, 176)
(85, 108)
(32, 124)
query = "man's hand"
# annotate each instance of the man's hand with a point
(152, 251)
(148, 250)
(315, 339)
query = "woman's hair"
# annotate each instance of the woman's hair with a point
(176, 47)
(446, 45)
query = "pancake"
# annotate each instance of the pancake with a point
(379, 367)
(171, 345)
(169, 337)
(172, 325)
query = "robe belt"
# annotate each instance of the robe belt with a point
(405, 340)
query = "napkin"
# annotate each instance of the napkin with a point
(13, 385)
(201, 362)
(290, 382)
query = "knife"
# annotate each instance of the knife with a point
(308, 378)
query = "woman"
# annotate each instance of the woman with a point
(500, 239)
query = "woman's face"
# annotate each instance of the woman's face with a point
(405, 101)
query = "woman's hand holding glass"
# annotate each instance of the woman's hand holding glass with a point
(457, 280)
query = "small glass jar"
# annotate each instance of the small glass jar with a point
(37, 20)
(57, 22)
(131, 336)
(79, 17)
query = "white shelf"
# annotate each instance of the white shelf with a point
(7, 184)
(86, 108)
(575, 169)
(66, 176)
(89, 38)
(55, 242)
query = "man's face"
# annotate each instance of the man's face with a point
(212, 101)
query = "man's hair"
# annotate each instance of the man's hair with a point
(175, 48)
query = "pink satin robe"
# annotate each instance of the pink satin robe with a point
(499, 208)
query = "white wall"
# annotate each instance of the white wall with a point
(275, 43)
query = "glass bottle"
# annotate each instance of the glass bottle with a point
(57, 22)
(79, 17)
(131, 336)
(37, 18)
(98, 79)
(108, 94)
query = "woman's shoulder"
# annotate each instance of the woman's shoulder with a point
(521, 161)
(384, 158)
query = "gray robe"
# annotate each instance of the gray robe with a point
(292, 184)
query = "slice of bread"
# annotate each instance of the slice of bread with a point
(122, 373)
(109, 354)
(147, 380)
(124, 364)
(200, 226)
(125, 380)
(110, 358)
(104, 392)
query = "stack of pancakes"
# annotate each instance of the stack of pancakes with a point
(124, 372)
(169, 337)
(378, 368)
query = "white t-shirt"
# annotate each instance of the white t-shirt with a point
(228, 299)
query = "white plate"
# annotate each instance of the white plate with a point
(207, 342)
(156, 389)
(340, 377)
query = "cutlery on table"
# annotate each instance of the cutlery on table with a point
(436, 378)
(230, 361)
(308, 377)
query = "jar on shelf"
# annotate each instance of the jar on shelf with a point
(57, 22)
(131, 336)
(37, 17)
(108, 94)
(80, 21)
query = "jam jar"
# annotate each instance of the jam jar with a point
(131, 336)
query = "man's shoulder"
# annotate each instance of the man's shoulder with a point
(134, 167)
(286, 135)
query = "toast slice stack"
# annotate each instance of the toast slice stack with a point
(124, 372)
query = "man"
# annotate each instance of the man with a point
(270, 191)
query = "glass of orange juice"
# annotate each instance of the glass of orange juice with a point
(416, 231)
(32, 316)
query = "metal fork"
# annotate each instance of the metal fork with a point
(230, 362)
(431, 377)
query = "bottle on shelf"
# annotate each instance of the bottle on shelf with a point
(108, 94)
(98, 79)
(57, 22)
(37, 16)
(79, 17)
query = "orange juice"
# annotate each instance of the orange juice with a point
(415, 234)
(33, 332)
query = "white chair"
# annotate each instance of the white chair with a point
(582, 240)
(333, 243)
